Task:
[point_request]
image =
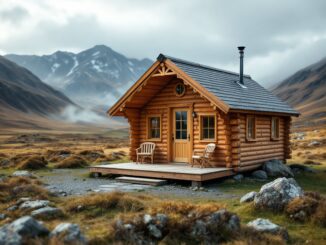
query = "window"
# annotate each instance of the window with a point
(251, 128)
(181, 125)
(180, 89)
(275, 128)
(154, 127)
(207, 127)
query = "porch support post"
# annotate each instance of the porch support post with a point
(196, 183)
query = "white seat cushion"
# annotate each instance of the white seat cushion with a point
(196, 157)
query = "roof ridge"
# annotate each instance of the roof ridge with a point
(162, 57)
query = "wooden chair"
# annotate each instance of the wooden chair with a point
(146, 150)
(203, 159)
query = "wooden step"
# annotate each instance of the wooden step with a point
(143, 181)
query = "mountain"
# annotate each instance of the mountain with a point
(22, 91)
(96, 76)
(306, 91)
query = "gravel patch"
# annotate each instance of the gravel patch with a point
(75, 182)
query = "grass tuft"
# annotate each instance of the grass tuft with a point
(102, 202)
(33, 162)
(72, 162)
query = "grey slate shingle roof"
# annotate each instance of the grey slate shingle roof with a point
(223, 85)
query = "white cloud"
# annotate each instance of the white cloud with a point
(281, 36)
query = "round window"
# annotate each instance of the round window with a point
(180, 89)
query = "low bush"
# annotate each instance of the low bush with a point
(311, 162)
(92, 155)
(310, 207)
(72, 162)
(16, 187)
(33, 162)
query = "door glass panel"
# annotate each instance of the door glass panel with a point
(181, 125)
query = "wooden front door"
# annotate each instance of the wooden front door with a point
(181, 135)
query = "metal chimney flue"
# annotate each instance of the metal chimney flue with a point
(241, 51)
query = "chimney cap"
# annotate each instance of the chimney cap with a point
(241, 48)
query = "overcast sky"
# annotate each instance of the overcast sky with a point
(281, 36)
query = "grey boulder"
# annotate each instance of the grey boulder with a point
(47, 213)
(238, 177)
(34, 204)
(276, 168)
(259, 174)
(277, 194)
(265, 225)
(249, 197)
(24, 227)
(69, 233)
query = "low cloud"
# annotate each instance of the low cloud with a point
(77, 115)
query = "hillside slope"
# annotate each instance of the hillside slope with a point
(22, 91)
(306, 91)
(25, 101)
(96, 76)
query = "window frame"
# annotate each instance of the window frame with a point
(148, 127)
(184, 91)
(200, 118)
(278, 128)
(255, 128)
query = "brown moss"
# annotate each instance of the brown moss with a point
(72, 162)
(105, 202)
(319, 217)
(312, 206)
(33, 162)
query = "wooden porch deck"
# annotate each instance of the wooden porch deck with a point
(176, 171)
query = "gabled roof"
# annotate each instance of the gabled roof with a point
(220, 87)
(223, 84)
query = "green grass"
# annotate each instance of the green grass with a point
(299, 232)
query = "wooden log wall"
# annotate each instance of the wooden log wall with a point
(161, 104)
(133, 116)
(287, 143)
(263, 148)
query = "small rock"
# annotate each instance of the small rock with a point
(199, 229)
(233, 223)
(238, 177)
(23, 199)
(301, 168)
(12, 208)
(147, 219)
(314, 143)
(23, 173)
(69, 232)
(34, 204)
(8, 237)
(47, 213)
(154, 231)
(277, 194)
(276, 168)
(2, 216)
(162, 220)
(249, 197)
(259, 174)
(265, 225)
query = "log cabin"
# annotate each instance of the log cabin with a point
(182, 106)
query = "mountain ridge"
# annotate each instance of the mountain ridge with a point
(98, 74)
(305, 90)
